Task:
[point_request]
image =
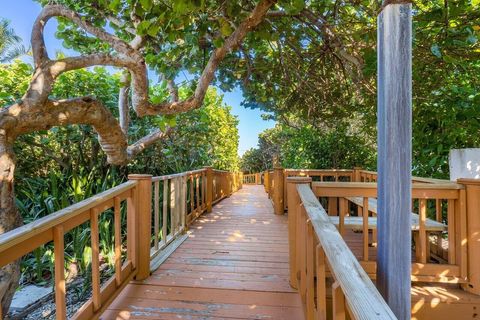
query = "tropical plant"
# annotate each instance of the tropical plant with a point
(11, 46)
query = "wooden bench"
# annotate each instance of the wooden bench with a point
(357, 222)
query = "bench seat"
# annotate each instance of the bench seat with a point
(355, 223)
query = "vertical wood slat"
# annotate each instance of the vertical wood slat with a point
(131, 228)
(204, 190)
(365, 229)
(462, 226)
(341, 219)
(422, 230)
(183, 216)
(173, 192)
(338, 304)
(451, 231)
(165, 212)
(156, 214)
(192, 204)
(97, 303)
(310, 270)
(197, 192)
(303, 253)
(321, 285)
(117, 221)
(59, 252)
(439, 218)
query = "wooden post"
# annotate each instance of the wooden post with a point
(472, 191)
(278, 190)
(143, 211)
(266, 182)
(356, 174)
(394, 155)
(209, 198)
(293, 213)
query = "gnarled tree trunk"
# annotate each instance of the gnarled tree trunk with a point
(9, 218)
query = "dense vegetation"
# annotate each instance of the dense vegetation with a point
(311, 65)
(325, 99)
(64, 165)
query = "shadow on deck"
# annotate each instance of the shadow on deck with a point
(234, 265)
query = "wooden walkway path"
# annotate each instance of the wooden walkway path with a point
(234, 265)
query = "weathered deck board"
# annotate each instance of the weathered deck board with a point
(234, 265)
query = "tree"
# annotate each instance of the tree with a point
(10, 44)
(137, 40)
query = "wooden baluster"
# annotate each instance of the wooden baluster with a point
(338, 297)
(451, 231)
(321, 285)
(332, 206)
(183, 217)
(204, 191)
(173, 192)
(192, 201)
(59, 252)
(197, 192)
(365, 229)
(310, 283)
(131, 228)
(422, 231)
(96, 298)
(341, 218)
(165, 212)
(117, 221)
(438, 216)
(156, 214)
(209, 188)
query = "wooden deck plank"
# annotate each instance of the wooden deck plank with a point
(234, 265)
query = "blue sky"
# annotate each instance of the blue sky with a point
(22, 14)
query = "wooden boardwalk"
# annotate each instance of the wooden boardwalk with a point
(234, 265)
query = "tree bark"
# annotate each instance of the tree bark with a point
(9, 219)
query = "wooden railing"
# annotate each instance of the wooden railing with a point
(317, 250)
(252, 178)
(438, 225)
(178, 200)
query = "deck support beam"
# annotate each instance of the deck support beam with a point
(394, 155)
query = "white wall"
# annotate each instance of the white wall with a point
(464, 163)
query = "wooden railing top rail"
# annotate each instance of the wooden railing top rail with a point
(319, 170)
(366, 185)
(25, 232)
(414, 178)
(364, 300)
(176, 175)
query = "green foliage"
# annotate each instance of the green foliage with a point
(308, 147)
(10, 44)
(64, 165)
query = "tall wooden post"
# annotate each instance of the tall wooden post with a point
(143, 211)
(293, 212)
(394, 155)
(278, 190)
(266, 182)
(472, 191)
(209, 193)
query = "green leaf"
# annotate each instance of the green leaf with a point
(146, 5)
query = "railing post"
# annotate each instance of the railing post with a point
(143, 209)
(472, 192)
(356, 174)
(266, 182)
(293, 214)
(278, 190)
(209, 195)
(229, 184)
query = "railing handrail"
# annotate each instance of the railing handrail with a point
(21, 234)
(366, 185)
(364, 300)
(176, 175)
